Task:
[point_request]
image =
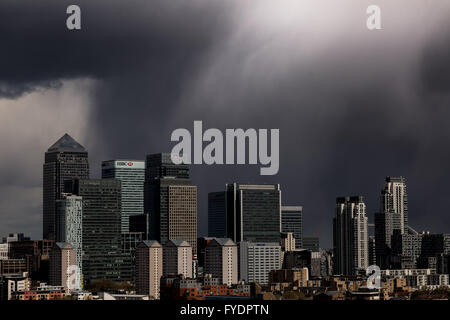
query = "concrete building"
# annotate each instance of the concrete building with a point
(297, 259)
(9, 284)
(62, 271)
(170, 200)
(292, 221)
(350, 236)
(257, 260)
(406, 272)
(4, 251)
(42, 292)
(177, 258)
(430, 281)
(15, 266)
(149, 268)
(131, 173)
(14, 237)
(432, 246)
(288, 242)
(221, 260)
(289, 275)
(405, 250)
(36, 253)
(5, 245)
(69, 224)
(64, 160)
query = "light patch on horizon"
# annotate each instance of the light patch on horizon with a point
(28, 126)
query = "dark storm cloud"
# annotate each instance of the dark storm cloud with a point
(117, 38)
(352, 106)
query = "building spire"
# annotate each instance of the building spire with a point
(68, 144)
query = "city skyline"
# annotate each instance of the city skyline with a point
(160, 256)
(310, 69)
(67, 142)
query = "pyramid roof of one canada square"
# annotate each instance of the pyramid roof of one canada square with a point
(66, 144)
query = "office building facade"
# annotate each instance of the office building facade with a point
(253, 212)
(101, 243)
(217, 219)
(292, 221)
(131, 173)
(170, 201)
(64, 160)
(257, 260)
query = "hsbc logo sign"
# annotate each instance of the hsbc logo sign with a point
(124, 164)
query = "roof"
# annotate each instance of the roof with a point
(66, 144)
(150, 243)
(63, 245)
(224, 241)
(179, 243)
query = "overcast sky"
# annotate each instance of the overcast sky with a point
(352, 105)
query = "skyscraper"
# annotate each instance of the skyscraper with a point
(292, 221)
(149, 268)
(69, 224)
(61, 260)
(217, 218)
(177, 258)
(394, 199)
(103, 257)
(170, 201)
(393, 215)
(350, 236)
(132, 175)
(253, 212)
(64, 160)
(221, 260)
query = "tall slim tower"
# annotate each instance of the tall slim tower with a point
(62, 258)
(393, 216)
(170, 200)
(350, 236)
(394, 200)
(132, 175)
(217, 215)
(149, 268)
(69, 224)
(64, 160)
